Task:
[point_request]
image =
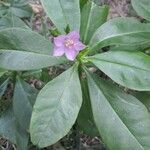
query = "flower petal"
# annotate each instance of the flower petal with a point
(74, 35)
(59, 41)
(71, 54)
(58, 51)
(79, 46)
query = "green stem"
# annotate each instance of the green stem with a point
(77, 137)
(14, 75)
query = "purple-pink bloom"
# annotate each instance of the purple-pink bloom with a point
(69, 45)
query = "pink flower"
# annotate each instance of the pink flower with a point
(69, 45)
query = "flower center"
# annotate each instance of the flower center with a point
(69, 43)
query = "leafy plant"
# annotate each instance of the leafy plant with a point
(121, 119)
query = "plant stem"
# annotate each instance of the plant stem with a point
(77, 137)
(14, 75)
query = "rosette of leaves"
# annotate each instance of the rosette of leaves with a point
(122, 120)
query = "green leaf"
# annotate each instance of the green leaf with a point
(22, 12)
(10, 130)
(45, 76)
(85, 117)
(22, 138)
(122, 120)
(3, 87)
(24, 40)
(4, 100)
(56, 108)
(7, 125)
(32, 73)
(3, 10)
(92, 17)
(63, 13)
(11, 21)
(82, 3)
(14, 123)
(142, 8)
(97, 2)
(120, 31)
(18, 3)
(2, 72)
(22, 49)
(22, 60)
(139, 47)
(18, 8)
(23, 100)
(144, 97)
(128, 68)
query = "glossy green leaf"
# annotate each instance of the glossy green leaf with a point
(11, 21)
(63, 13)
(120, 31)
(56, 108)
(85, 118)
(23, 60)
(122, 120)
(24, 40)
(128, 68)
(142, 7)
(144, 97)
(23, 100)
(92, 17)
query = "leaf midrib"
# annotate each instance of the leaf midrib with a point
(25, 95)
(68, 81)
(117, 113)
(18, 28)
(25, 30)
(121, 64)
(114, 36)
(88, 22)
(65, 17)
(28, 52)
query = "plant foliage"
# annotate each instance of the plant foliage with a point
(96, 101)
